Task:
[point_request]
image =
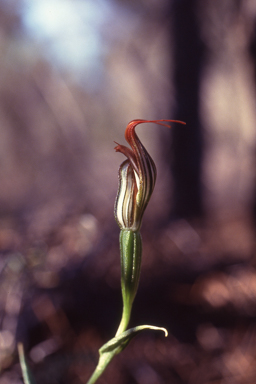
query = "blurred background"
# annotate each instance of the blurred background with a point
(72, 75)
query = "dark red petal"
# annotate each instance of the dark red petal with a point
(129, 154)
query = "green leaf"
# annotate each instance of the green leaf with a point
(116, 345)
(26, 373)
(124, 338)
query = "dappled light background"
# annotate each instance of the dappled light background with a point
(72, 75)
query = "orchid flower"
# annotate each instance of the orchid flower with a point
(137, 177)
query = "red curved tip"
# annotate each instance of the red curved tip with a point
(132, 125)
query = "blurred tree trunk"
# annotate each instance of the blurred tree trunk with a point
(253, 56)
(186, 147)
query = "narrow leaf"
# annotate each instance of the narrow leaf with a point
(26, 373)
(124, 338)
(115, 346)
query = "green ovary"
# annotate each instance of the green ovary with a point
(130, 252)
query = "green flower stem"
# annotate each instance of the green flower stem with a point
(102, 365)
(130, 252)
(124, 320)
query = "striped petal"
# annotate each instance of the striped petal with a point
(137, 177)
(125, 204)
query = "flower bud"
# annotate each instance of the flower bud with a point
(137, 177)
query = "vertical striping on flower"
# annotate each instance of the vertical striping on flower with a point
(137, 177)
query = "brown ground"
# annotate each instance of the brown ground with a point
(61, 298)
